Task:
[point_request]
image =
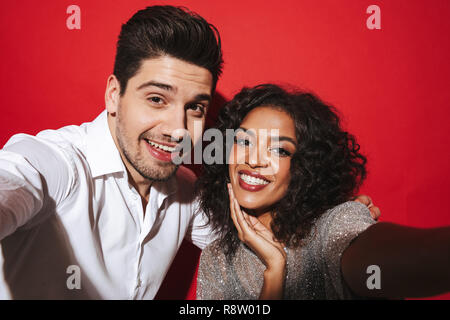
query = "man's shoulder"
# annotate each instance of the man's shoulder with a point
(66, 145)
(71, 135)
(65, 136)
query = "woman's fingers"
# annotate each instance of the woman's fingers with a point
(236, 211)
(254, 234)
(250, 230)
(233, 213)
(245, 227)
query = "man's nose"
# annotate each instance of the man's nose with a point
(175, 124)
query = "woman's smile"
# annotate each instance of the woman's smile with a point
(252, 181)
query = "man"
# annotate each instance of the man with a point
(104, 198)
(98, 211)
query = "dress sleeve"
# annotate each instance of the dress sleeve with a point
(337, 229)
(211, 276)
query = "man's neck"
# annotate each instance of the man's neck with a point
(141, 184)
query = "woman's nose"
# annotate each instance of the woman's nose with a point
(258, 157)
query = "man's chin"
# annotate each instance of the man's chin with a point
(160, 175)
(151, 168)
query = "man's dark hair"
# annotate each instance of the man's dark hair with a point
(166, 30)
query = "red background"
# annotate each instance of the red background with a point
(390, 84)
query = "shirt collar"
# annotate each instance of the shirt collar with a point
(101, 151)
(165, 189)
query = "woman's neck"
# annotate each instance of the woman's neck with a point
(265, 219)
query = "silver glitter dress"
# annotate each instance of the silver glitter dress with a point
(313, 270)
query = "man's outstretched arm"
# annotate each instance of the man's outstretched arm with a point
(31, 172)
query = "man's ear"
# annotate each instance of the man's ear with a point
(112, 95)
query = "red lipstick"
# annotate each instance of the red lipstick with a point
(251, 187)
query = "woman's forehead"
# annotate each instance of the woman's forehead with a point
(270, 118)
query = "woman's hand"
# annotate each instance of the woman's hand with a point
(256, 236)
(261, 240)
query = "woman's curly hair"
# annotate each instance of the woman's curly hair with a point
(326, 169)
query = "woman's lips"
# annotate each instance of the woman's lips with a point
(252, 181)
(158, 153)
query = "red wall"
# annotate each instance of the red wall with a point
(391, 84)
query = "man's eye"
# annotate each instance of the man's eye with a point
(197, 108)
(154, 99)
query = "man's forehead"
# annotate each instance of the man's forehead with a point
(173, 75)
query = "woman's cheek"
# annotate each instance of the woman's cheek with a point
(284, 173)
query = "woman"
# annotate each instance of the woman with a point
(286, 228)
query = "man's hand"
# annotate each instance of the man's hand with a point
(367, 201)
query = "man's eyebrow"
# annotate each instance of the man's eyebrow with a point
(168, 87)
(160, 85)
(203, 96)
(276, 138)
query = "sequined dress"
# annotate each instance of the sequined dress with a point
(313, 270)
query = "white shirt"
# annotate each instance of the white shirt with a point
(65, 203)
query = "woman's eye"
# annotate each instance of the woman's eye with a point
(242, 141)
(281, 152)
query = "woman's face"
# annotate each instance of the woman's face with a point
(260, 159)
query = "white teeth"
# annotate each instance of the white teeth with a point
(252, 180)
(160, 146)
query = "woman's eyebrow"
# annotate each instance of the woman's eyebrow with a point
(250, 132)
(284, 138)
(273, 138)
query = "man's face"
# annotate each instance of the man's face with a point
(163, 100)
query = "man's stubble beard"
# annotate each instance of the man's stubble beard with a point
(147, 170)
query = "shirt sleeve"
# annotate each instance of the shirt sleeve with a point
(32, 172)
(199, 231)
(338, 228)
(211, 278)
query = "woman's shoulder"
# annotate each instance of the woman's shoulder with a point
(214, 249)
(350, 212)
(340, 224)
